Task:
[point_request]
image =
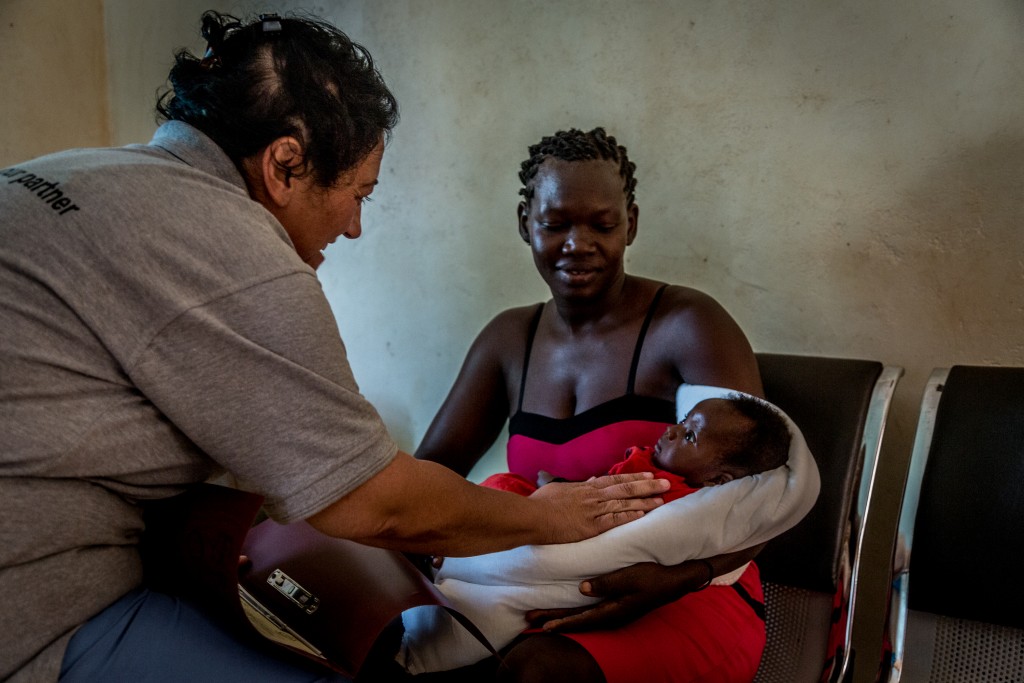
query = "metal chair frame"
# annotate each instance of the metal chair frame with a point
(899, 609)
(997, 638)
(777, 663)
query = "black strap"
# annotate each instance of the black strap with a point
(526, 358)
(758, 607)
(640, 339)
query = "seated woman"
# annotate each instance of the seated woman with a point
(583, 377)
(722, 441)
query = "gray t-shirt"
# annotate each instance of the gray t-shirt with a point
(156, 328)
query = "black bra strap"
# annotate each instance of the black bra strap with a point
(640, 340)
(526, 359)
(758, 607)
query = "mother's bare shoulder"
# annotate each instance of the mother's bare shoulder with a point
(506, 332)
(704, 342)
(689, 305)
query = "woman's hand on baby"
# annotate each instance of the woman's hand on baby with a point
(628, 594)
(587, 508)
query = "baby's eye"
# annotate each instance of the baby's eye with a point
(690, 436)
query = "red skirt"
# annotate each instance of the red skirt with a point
(711, 636)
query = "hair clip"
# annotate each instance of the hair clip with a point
(270, 23)
(210, 59)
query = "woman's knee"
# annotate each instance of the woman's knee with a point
(546, 657)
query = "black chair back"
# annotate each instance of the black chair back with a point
(840, 405)
(969, 531)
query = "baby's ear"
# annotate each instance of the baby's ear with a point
(720, 478)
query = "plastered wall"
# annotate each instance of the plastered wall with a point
(53, 81)
(845, 177)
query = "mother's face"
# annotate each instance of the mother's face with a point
(578, 226)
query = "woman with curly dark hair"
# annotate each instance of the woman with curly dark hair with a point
(163, 323)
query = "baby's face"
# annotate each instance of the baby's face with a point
(694, 448)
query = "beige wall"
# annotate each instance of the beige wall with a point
(846, 177)
(53, 78)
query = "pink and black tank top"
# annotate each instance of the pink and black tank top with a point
(586, 444)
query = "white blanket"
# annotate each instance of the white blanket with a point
(495, 590)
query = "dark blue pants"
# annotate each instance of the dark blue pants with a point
(153, 637)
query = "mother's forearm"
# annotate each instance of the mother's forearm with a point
(693, 575)
(727, 562)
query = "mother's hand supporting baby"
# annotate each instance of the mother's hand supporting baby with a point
(632, 592)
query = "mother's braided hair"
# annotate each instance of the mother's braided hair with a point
(575, 145)
(276, 77)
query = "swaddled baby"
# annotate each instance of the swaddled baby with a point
(725, 440)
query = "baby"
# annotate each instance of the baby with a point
(720, 439)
